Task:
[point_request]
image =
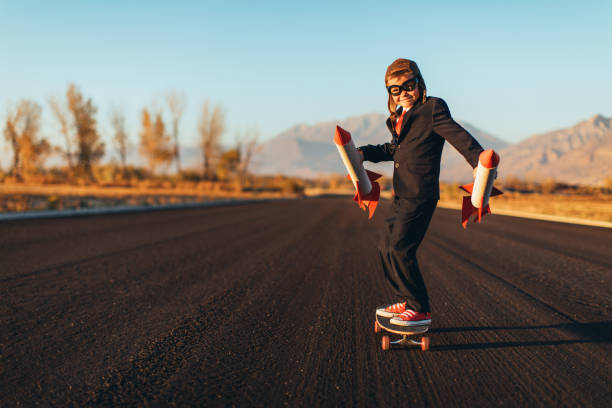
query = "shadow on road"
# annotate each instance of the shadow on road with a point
(597, 332)
(480, 346)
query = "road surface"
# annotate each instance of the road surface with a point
(272, 304)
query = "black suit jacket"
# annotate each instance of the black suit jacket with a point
(417, 150)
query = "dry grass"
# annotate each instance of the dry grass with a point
(588, 207)
(197, 189)
(24, 197)
(596, 206)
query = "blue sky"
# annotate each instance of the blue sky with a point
(511, 68)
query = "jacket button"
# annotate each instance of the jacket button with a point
(396, 165)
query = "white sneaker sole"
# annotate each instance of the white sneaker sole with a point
(408, 323)
(381, 312)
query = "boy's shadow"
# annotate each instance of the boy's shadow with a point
(598, 332)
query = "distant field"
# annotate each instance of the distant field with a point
(589, 207)
(18, 198)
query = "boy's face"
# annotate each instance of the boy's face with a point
(404, 98)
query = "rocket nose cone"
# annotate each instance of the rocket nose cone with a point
(489, 159)
(341, 137)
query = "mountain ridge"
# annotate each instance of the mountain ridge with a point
(579, 154)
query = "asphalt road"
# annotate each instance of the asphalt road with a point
(272, 304)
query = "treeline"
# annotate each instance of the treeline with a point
(552, 186)
(514, 186)
(82, 148)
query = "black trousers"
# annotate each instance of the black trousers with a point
(402, 236)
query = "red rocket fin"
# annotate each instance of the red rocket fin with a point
(371, 208)
(357, 198)
(482, 212)
(496, 192)
(341, 137)
(467, 209)
(360, 202)
(372, 175)
(370, 200)
(467, 188)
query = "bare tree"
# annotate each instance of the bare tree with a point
(176, 104)
(120, 135)
(248, 145)
(154, 141)
(12, 137)
(34, 149)
(211, 128)
(204, 129)
(90, 148)
(147, 146)
(21, 131)
(61, 113)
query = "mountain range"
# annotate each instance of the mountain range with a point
(580, 154)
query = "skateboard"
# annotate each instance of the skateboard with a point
(382, 323)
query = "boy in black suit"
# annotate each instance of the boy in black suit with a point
(419, 125)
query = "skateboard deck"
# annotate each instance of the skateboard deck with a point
(383, 323)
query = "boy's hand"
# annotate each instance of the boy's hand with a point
(361, 156)
(474, 172)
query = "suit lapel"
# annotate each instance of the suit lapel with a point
(390, 126)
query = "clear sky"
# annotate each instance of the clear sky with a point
(511, 68)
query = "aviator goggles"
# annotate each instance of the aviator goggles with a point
(408, 86)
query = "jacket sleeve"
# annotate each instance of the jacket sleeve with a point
(378, 153)
(445, 126)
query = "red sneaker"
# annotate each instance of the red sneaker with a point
(391, 310)
(412, 318)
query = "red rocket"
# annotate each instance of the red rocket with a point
(481, 189)
(368, 190)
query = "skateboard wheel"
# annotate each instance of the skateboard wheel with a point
(385, 343)
(425, 343)
(377, 328)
